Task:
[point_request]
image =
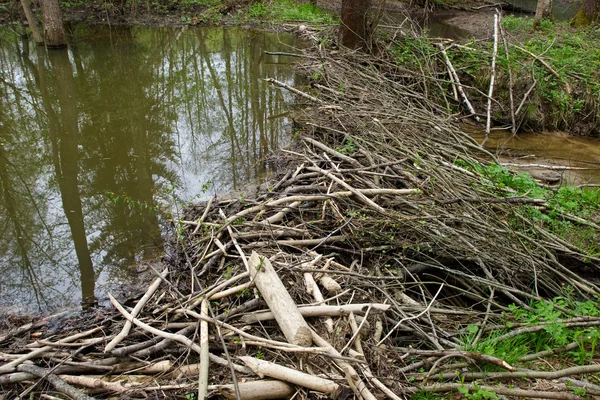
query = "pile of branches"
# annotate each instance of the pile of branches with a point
(352, 273)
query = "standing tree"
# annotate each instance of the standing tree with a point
(587, 14)
(354, 28)
(542, 12)
(53, 24)
(33, 23)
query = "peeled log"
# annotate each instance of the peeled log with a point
(320, 311)
(286, 313)
(266, 368)
(258, 390)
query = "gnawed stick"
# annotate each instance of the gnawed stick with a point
(321, 311)
(293, 90)
(257, 390)
(457, 82)
(194, 369)
(546, 166)
(55, 381)
(161, 344)
(284, 309)
(331, 151)
(94, 383)
(357, 385)
(313, 289)
(203, 371)
(303, 379)
(329, 196)
(232, 290)
(11, 366)
(204, 214)
(298, 242)
(194, 302)
(330, 284)
(173, 336)
(511, 83)
(280, 215)
(138, 307)
(488, 123)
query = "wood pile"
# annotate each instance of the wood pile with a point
(352, 276)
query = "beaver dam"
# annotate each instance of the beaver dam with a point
(371, 267)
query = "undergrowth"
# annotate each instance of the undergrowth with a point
(288, 10)
(563, 206)
(565, 96)
(553, 314)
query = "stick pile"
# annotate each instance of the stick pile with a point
(349, 277)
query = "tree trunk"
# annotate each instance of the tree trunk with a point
(53, 24)
(542, 12)
(354, 29)
(587, 14)
(33, 23)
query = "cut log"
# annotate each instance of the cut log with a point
(321, 311)
(266, 368)
(289, 319)
(258, 390)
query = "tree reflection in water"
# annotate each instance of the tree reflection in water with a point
(97, 142)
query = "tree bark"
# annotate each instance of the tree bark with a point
(587, 14)
(542, 12)
(354, 28)
(33, 23)
(53, 24)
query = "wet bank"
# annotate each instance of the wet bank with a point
(100, 143)
(572, 160)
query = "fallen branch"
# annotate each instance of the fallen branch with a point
(320, 311)
(289, 319)
(272, 370)
(138, 307)
(55, 381)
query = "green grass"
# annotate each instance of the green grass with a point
(560, 204)
(568, 101)
(288, 10)
(554, 335)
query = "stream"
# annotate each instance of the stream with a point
(98, 143)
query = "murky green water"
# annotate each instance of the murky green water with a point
(96, 140)
(557, 149)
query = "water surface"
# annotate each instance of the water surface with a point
(558, 149)
(98, 141)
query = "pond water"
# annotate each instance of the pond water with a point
(581, 155)
(97, 141)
